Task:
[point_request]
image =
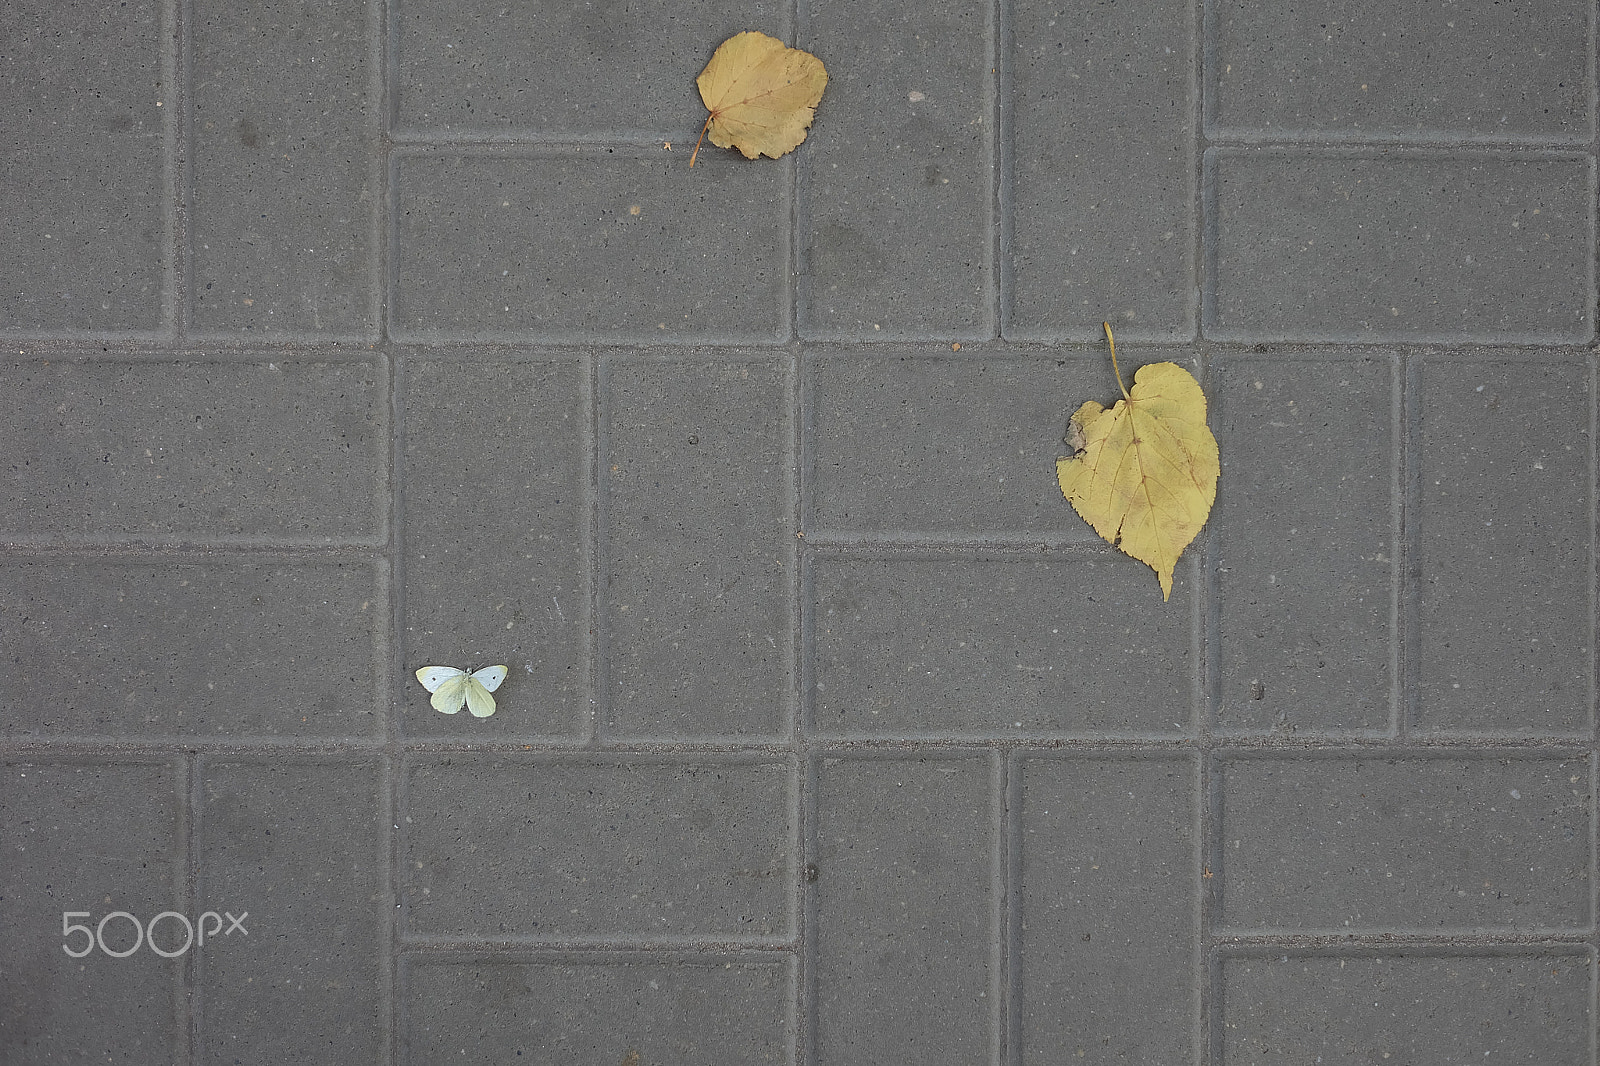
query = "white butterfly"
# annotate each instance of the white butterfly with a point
(451, 688)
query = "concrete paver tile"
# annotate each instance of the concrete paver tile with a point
(600, 70)
(903, 916)
(1505, 537)
(1106, 918)
(1305, 539)
(678, 1012)
(1346, 845)
(1077, 643)
(898, 178)
(1347, 68)
(902, 963)
(922, 444)
(496, 535)
(283, 202)
(83, 184)
(550, 248)
(290, 841)
(203, 649)
(96, 836)
(1431, 1011)
(289, 450)
(1421, 246)
(700, 557)
(1102, 202)
(653, 848)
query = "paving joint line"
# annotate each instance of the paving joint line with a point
(390, 800)
(1398, 941)
(532, 346)
(685, 944)
(599, 581)
(816, 745)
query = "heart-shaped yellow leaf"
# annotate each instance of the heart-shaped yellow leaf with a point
(761, 95)
(1145, 473)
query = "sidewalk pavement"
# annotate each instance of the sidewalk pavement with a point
(349, 338)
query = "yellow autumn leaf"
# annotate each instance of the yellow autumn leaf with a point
(761, 95)
(1145, 473)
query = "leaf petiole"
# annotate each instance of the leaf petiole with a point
(1114, 369)
(702, 137)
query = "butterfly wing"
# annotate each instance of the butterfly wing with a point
(452, 694)
(490, 677)
(448, 685)
(479, 702)
(434, 676)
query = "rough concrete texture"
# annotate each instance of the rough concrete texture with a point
(350, 337)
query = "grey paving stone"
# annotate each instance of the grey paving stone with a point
(1412, 246)
(898, 175)
(1107, 917)
(214, 649)
(635, 846)
(1076, 642)
(1102, 171)
(871, 803)
(920, 444)
(547, 247)
(1350, 845)
(1431, 1011)
(496, 535)
(1304, 536)
(600, 70)
(291, 841)
(1345, 68)
(683, 1012)
(700, 548)
(83, 182)
(112, 450)
(902, 940)
(283, 202)
(1505, 537)
(88, 835)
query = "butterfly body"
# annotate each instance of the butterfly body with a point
(454, 688)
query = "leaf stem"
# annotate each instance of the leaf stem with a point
(1113, 340)
(702, 137)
